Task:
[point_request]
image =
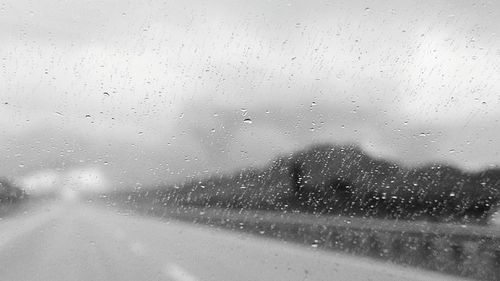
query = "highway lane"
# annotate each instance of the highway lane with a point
(85, 241)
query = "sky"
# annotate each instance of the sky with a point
(148, 92)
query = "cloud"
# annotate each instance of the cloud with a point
(155, 92)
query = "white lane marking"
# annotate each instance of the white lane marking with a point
(178, 273)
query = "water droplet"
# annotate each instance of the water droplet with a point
(247, 121)
(243, 187)
(21, 165)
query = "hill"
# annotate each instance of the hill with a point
(342, 179)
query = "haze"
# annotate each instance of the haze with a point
(153, 92)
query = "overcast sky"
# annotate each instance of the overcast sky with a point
(152, 91)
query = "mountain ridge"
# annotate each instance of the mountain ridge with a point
(344, 180)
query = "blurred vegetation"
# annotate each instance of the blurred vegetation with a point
(10, 197)
(9, 192)
(327, 179)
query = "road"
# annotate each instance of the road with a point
(85, 241)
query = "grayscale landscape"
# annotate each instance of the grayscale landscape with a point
(249, 140)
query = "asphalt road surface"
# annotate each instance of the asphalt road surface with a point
(84, 241)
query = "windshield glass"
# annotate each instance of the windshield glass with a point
(249, 140)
